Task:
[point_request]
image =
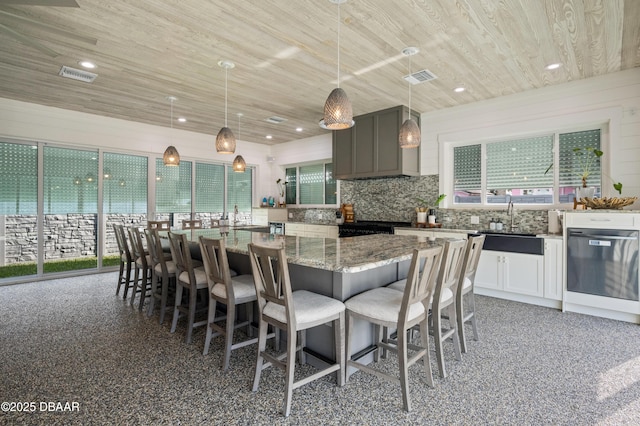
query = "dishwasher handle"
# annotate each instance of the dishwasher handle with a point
(602, 237)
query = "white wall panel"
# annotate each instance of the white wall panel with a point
(613, 98)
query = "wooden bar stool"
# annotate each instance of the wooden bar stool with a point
(293, 312)
(161, 225)
(388, 308)
(192, 224)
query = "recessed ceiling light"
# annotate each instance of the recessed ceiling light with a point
(182, 119)
(269, 137)
(298, 129)
(552, 66)
(87, 64)
(459, 89)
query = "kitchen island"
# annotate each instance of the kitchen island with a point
(335, 267)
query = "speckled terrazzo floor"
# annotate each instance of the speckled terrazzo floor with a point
(72, 340)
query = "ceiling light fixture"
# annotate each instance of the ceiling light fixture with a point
(87, 64)
(552, 66)
(409, 136)
(225, 141)
(338, 113)
(171, 156)
(459, 89)
(239, 165)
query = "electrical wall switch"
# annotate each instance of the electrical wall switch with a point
(475, 220)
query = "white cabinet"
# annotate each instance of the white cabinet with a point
(511, 272)
(310, 230)
(553, 282)
(294, 228)
(432, 233)
(262, 216)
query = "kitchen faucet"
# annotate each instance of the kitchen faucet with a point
(510, 212)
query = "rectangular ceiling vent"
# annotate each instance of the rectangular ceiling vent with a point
(77, 74)
(275, 120)
(420, 77)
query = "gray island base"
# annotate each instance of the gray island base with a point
(335, 267)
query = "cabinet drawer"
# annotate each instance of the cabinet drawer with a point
(603, 220)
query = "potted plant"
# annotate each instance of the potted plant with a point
(586, 159)
(282, 190)
(425, 206)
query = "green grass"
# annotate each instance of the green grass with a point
(54, 266)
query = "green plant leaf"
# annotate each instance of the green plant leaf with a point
(618, 187)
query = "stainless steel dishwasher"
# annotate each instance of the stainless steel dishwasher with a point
(603, 262)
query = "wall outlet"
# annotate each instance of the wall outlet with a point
(290, 215)
(475, 220)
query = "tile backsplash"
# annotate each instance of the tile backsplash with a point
(394, 199)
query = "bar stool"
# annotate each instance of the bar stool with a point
(192, 224)
(189, 278)
(126, 259)
(445, 299)
(465, 287)
(163, 272)
(142, 275)
(293, 312)
(235, 291)
(388, 308)
(162, 225)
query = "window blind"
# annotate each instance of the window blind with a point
(209, 188)
(467, 168)
(570, 170)
(70, 181)
(519, 164)
(125, 183)
(239, 189)
(312, 184)
(18, 179)
(173, 187)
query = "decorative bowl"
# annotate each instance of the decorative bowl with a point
(613, 203)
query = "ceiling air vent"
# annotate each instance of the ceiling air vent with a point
(420, 77)
(77, 74)
(275, 120)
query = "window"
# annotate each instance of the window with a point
(70, 209)
(173, 187)
(311, 184)
(239, 189)
(572, 146)
(497, 172)
(209, 188)
(19, 179)
(125, 183)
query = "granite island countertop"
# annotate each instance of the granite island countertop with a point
(343, 255)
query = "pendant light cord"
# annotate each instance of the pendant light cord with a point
(410, 87)
(226, 74)
(339, 22)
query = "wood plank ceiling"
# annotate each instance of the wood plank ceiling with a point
(285, 54)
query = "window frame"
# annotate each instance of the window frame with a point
(324, 164)
(447, 164)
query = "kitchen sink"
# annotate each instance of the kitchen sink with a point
(513, 242)
(520, 234)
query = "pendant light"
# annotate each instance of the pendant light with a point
(239, 165)
(409, 136)
(225, 141)
(338, 113)
(171, 156)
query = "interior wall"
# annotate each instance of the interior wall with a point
(32, 122)
(613, 99)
